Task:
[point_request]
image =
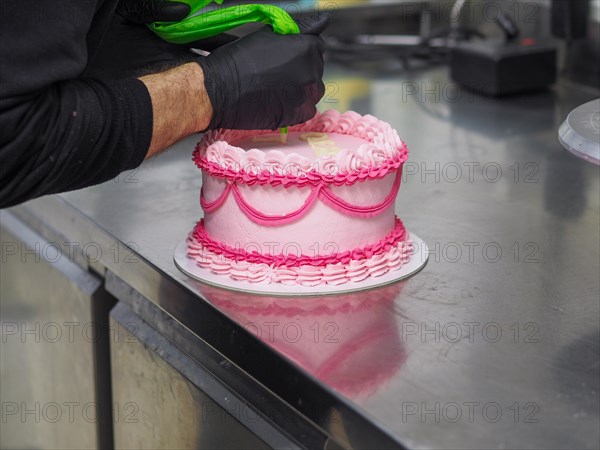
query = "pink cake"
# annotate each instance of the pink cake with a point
(317, 209)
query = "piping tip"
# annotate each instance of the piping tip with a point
(283, 133)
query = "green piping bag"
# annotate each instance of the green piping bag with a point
(212, 23)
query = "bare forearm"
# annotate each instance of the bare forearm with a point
(180, 105)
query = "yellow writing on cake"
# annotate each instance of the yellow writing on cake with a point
(320, 143)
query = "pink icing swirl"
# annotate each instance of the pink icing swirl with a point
(306, 275)
(238, 255)
(382, 153)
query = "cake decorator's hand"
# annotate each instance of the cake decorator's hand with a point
(129, 47)
(265, 80)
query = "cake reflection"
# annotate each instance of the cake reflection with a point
(350, 342)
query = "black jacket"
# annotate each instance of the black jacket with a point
(61, 129)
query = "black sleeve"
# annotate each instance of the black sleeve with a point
(60, 131)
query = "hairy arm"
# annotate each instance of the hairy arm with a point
(180, 105)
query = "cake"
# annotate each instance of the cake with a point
(316, 209)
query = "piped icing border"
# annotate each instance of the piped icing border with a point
(383, 152)
(237, 254)
(305, 275)
(319, 192)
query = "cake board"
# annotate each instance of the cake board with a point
(188, 266)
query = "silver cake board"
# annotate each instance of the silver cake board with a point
(187, 265)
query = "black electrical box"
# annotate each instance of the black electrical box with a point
(497, 68)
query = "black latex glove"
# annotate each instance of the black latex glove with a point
(148, 11)
(265, 80)
(129, 48)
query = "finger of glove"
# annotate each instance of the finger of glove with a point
(212, 43)
(307, 108)
(314, 24)
(148, 11)
(314, 93)
(304, 113)
(318, 92)
(314, 41)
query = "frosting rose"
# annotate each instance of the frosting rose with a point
(306, 275)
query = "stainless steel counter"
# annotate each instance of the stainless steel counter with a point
(495, 344)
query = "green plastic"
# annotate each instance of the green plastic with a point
(212, 23)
